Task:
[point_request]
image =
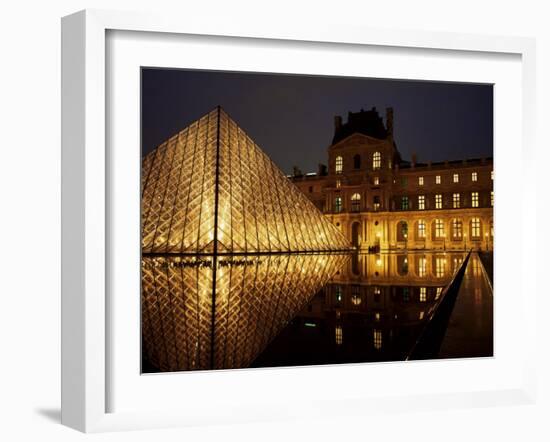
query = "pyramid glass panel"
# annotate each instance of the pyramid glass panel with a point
(211, 189)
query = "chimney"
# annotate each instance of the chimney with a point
(322, 170)
(337, 122)
(413, 159)
(389, 121)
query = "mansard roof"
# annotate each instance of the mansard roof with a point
(364, 122)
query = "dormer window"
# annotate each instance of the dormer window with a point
(339, 166)
(376, 161)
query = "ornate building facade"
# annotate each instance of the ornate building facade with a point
(377, 199)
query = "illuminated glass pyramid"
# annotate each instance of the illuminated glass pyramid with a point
(211, 189)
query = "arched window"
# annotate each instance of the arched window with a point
(456, 229)
(402, 231)
(438, 229)
(475, 228)
(376, 160)
(338, 204)
(357, 161)
(339, 165)
(421, 229)
(402, 265)
(356, 202)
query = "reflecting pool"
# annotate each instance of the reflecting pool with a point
(238, 311)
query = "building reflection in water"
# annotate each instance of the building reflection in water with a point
(374, 309)
(290, 309)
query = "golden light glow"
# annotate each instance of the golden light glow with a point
(213, 163)
(187, 326)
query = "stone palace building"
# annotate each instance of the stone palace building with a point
(378, 200)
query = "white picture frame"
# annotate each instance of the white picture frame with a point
(86, 203)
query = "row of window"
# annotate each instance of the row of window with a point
(377, 165)
(438, 229)
(376, 162)
(438, 199)
(455, 179)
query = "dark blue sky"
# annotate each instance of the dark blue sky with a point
(291, 117)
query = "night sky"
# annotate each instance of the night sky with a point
(291, 117)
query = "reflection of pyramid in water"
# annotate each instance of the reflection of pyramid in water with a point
(185, 327)
(211, 189)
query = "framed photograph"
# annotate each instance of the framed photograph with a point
(254, 219)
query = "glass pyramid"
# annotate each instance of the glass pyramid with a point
(211, 189)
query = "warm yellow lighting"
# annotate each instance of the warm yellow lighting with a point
(260, 210)
(177, 305)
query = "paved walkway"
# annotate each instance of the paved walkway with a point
(470, 329)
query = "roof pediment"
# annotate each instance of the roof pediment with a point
(357, 139)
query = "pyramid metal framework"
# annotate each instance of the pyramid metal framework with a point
(211, 189)
(186, 328)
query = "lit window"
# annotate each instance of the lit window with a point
(421, 202)
(403, 230)
(492, 198)
(376, 181)
(338, 184)
(338, 293)
(438, 292)
(377, 289)
(457, 229)
(421, 229)
(474, 176)
(389, 164)
(339, 165)
(439, 228)
(492, 174)
(455, 178)
(440, 267)
(376, 202)
(438, 201)
(356, 202)
(338, 333)
(456, 263)
(404, 203)
(421, 315)
(420, 180)
(456, 200)
(377, 338)
(422, 267)
(338, 204)
(376, 160)
(475, 228)
(422, 295)
(475, 199)
(438, 179)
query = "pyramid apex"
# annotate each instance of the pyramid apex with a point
(213, 185)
